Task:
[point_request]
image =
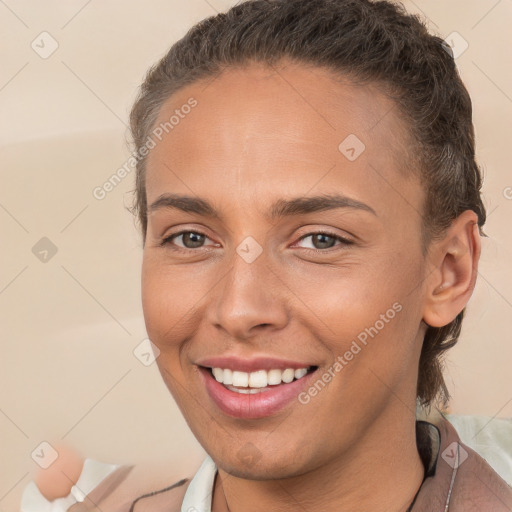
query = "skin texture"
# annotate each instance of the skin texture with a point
(258, 135)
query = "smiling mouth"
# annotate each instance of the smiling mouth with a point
(258, 381)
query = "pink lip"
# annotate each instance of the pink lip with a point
(253, 406)
(251, 365)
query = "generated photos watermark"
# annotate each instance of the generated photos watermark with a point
(100, 192)
(355, 348)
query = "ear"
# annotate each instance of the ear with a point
(453, 270)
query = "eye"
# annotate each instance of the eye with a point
(323, 240)
(190, 240)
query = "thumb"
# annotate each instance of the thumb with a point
(56, 480)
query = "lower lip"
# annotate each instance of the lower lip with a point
(256, 405)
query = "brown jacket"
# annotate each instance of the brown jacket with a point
(459, 481)
(476, 486)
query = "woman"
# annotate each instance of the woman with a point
(310, 208)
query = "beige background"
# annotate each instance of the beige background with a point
(69, 325)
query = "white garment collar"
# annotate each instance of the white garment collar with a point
(198, 497)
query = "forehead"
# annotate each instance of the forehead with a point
(290, 126)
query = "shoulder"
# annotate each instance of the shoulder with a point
(464, 477)
(479, 487)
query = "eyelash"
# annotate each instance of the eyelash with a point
(168, 241)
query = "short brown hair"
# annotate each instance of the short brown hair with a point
(369, 42)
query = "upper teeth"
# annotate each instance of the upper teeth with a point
(258, 379)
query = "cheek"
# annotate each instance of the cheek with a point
(174, 299)
(347, 300)
(373, 310)
(384, 327)
(162, 303)
(152, 304)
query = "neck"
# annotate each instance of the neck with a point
(382, 473)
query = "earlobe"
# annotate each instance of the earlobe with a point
(452, 279)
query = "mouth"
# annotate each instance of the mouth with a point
(258, 381)
(255, 394)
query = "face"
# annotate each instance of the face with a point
(298, 249)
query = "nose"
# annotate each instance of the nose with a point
(249, 299)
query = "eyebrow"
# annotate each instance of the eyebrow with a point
(280, 208)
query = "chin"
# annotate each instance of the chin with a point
(262, 472)
(267, 467)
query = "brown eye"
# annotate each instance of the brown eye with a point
(190, 239)
(320, 241)
(323, 241)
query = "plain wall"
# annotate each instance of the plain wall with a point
(69, 325)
